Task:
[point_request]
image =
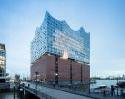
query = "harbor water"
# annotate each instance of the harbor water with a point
(8, 95)
(104, 82)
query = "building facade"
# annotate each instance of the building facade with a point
(2, 61)
(60, 54)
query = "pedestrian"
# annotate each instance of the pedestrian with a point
(112, 90)
(104, 92)
(28, 85)
(54, 85)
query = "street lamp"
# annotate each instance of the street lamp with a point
(56, 74)
(56, 78)
(117, 86)
(14, 90)
(56, 70)
(81, 74)
(71, 71)
(36, 73)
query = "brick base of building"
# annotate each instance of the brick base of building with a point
(54, 69)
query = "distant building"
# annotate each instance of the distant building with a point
(2, 61)
(3, 84)
(60, 54)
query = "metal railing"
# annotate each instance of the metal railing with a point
(36, 92)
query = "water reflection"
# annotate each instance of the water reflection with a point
(8, 95)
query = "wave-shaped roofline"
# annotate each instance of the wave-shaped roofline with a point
(64, 22)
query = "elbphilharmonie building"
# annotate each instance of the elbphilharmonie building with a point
(59, 54)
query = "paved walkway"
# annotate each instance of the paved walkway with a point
(58, 94)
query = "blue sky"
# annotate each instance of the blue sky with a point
(104, 19)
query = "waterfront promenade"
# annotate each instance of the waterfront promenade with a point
(57, 94)
(60, 93)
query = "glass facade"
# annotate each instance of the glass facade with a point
(2, 60)
(56, 37)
